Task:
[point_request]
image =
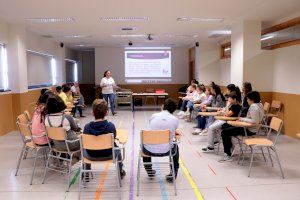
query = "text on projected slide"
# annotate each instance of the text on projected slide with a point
(148, 64)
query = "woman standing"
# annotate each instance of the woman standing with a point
(108, 84)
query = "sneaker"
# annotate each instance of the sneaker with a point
(187, 113)
(151, 173)
(196, 131)
(114, 113)
(122, 174)
(204, 132)
(226, 158)
(180, 113)
(82, 116)
(208, 149)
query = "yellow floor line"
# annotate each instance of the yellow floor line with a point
(191, 181)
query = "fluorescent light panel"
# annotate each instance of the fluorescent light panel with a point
(221, 32)
(140, 35)
(51, 20)
(267, 37)
(124, 18)
(227, 49)
(182, 36)
(77, 36)
(198, 19)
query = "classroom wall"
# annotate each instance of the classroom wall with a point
(112, 58)
(286, 86)
(207, 63)
(38, 43)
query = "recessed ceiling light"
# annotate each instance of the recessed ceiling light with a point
(141, 35)
(83, 45)
(50, 20)
(124, 18)
(198, 19)
(77, 36)
(221, 32)
(267, 37)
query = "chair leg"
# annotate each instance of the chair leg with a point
(251, 162)
(270, 157)
(262, 151)
(79, 183)
(45, 171)
(277, 158)
(118, 179)
(174, 177)
(34, 165)
(20, 159)
(69, 174)
(138, 175)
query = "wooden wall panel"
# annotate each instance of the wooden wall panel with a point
(6, 116)
(290, 112)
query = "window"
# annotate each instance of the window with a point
(278, 36)
(3, 69)
(41, 69)
(226, 50)
(71, 71)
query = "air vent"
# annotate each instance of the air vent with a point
(129, 28)
(47, 36)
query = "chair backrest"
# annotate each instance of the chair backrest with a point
(150, 90)
(276, 104)
(100, 142)
(276, 125)
(56, 133)
(27, 114)
(155, 137)
(23, 125)
(266, 107)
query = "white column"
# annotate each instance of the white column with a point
(17, 60)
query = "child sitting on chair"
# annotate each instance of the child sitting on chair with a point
(99, 127)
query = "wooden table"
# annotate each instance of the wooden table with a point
(224, 118)
(239, 124)
(122, 136)
(213, 108)
(157, 95)
(207, 114)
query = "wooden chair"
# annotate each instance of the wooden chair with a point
(151, 137)
(100, 142)
(28, 116)
(59, 134)
(24, 128)
(266, 142)
(150, 90)
(274, 109)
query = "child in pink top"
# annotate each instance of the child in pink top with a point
(38, 119)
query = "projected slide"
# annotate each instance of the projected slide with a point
(148, 66)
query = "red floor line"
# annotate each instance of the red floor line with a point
(211, 169)
(231, 194)
(199, 154)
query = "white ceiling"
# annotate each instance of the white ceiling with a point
(162, 13)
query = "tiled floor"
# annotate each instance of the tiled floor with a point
(214, 180)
